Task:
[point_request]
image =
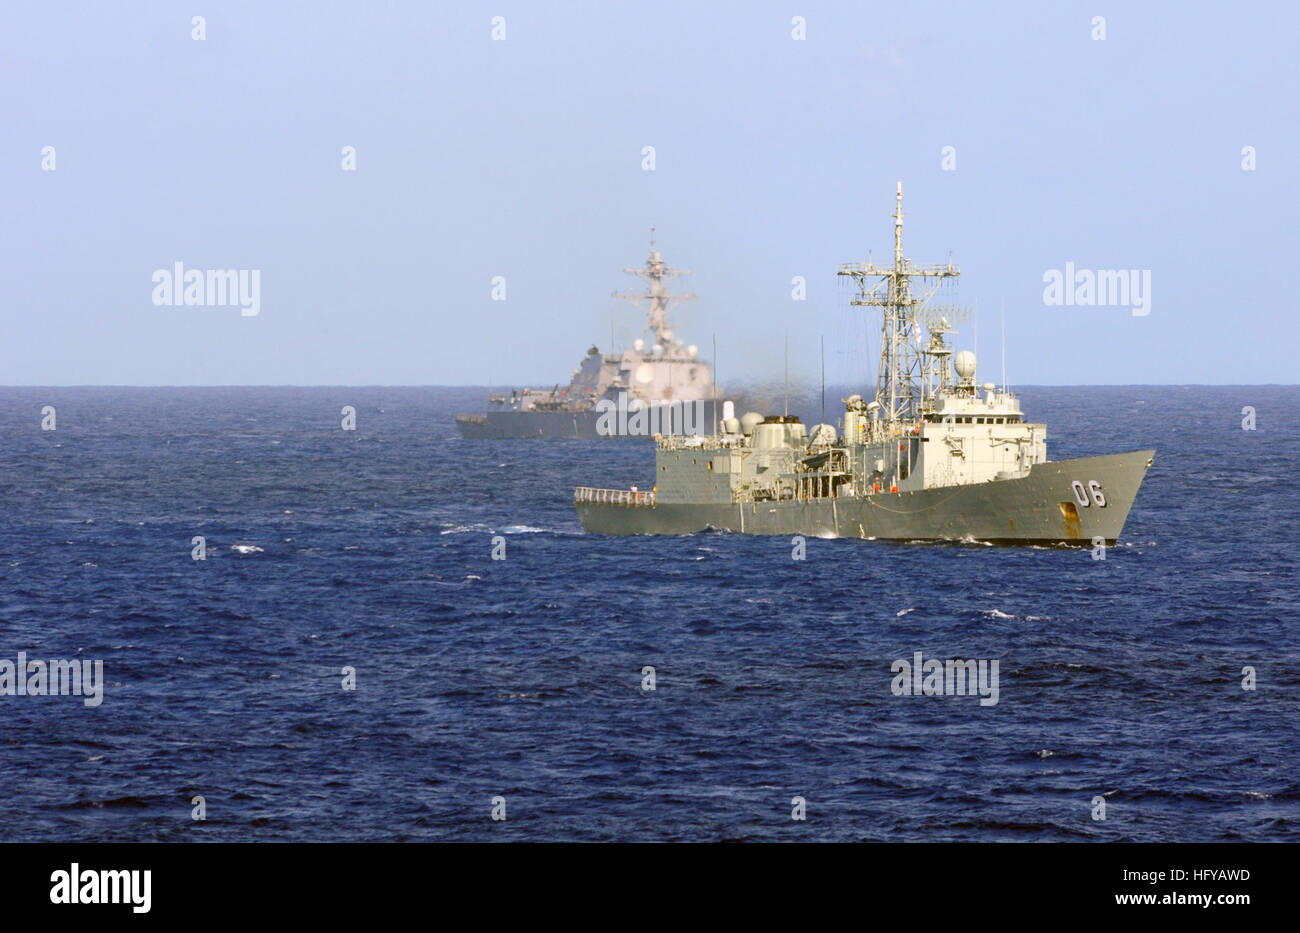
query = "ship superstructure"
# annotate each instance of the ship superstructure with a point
(660, 380)
(934, 456)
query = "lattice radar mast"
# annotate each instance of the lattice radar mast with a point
(910, 372)
(656, 272)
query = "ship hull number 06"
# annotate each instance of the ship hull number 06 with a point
(1081, 495)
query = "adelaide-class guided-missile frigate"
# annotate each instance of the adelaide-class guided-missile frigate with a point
(658, 386)
(935, 456)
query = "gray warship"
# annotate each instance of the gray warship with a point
(936, 456)
(658, 387)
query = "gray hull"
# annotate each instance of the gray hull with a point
(572, 425)
(579, 425)
(1040, 508)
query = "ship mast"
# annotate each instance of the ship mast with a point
(656, 272)
(902, 378)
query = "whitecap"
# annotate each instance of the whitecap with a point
(449, 529)
(246, 548)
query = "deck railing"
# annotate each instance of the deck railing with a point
(614, 497)
(698, 441)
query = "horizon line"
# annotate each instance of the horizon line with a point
(738, 388)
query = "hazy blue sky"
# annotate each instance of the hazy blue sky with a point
(522, 158)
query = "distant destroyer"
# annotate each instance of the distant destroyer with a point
(660, 386)
(935, 456)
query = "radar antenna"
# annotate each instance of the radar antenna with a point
(903, 378)
(656, 272)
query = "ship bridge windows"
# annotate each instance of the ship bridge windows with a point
(976, 419)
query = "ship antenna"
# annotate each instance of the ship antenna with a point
(900, 292)
(898, 230)
(656, 272)
(787, 375)
(823, 379)
(1004, 346)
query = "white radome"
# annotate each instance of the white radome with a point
(692, 351)
(638, 345)
(964, 364)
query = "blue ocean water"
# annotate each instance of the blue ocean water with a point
(521, 678)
